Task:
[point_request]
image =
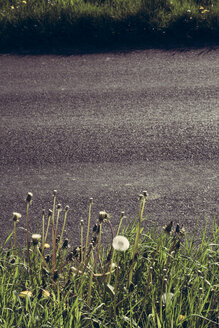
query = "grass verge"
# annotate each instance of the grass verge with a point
(102, 23)
(141, 279)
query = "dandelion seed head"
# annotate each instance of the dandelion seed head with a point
(120, 243)
(167, 296)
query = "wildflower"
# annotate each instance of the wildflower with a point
(103, 216)
(46, 293)
(201, 8)
(25, 293)
(120, 243)
(166, 297)
(46, 245)
(168, 228)
(24, 2)
(65, 244)
(66, 208)
(16, 216)
(205, 11)
(29, 197)
(59, 207)
(181, 317)
(36, 238)
(12, 7)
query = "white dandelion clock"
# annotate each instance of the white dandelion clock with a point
(167, 297)
(120, 243)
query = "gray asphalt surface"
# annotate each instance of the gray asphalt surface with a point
(109, 126)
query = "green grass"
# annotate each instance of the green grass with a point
(107, 22)
(163, 279)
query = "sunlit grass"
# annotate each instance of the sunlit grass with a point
(105, 22)
(139, 279)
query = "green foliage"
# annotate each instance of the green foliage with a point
(174, 279)
(106, 22)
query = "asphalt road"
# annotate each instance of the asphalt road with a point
(109, 126)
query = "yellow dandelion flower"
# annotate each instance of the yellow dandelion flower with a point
(24, 2)
(201, 8)
(181, 317)
(46, 293)
(205, 11)
(12, 7)
(25, 293)
(46, 245)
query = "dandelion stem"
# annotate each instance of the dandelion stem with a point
(14, 234)
(54, 233)
(27, 235)
(88, 225)
(138, 232)
(63, 228)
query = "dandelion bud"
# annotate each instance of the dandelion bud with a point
(36, 239)
(95, 228)
(70, 256)
(29, 197)
(168, 228)
(12, 261)
(65, 243)
(177, 228)
(122, 213)
(54, 192)
(141, 196)
(47, 259)
(66, 208)
(91, 200)
(145, 193)
(50, 213)
(82, 223)
(16, 216)
(59, 207)
(43, 211)
(102, 216)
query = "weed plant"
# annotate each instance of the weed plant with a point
(106, 22)
(141, 279)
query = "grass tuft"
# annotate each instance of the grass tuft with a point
(140, 279)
